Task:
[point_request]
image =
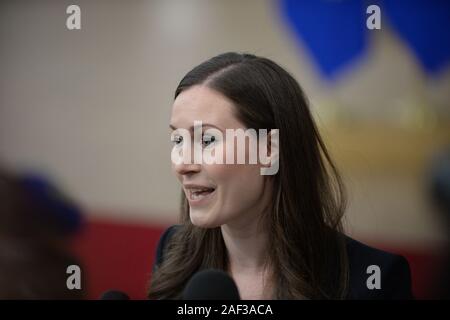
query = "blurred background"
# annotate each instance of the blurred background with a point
(88, 111)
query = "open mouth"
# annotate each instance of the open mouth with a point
(199, 194)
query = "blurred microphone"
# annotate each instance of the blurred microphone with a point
(211, 285)
(114, 295)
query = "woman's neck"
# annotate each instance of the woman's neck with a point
(246, 240)
(246, 247)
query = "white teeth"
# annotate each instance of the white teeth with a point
(199, 194)
(195, 196)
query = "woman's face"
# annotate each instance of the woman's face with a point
(218, 194)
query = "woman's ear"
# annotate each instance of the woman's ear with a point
(271, 164)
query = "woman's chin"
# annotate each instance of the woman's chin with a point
(201, 220)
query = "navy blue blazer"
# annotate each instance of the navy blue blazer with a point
(394, 270)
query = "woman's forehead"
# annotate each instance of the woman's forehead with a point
(201, 103)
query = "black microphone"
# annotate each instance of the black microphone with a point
(211, 284)
(114, 295)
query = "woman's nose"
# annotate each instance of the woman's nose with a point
(185, 162)
(185, 169)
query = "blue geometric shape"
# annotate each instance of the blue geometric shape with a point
(424, 26)
(49, 202)
(334, 32)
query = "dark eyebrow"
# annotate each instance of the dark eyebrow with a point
(203, 125)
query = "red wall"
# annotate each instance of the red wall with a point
(120, 256)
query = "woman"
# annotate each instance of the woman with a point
(278, 236)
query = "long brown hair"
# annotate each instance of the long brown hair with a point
(307, 248)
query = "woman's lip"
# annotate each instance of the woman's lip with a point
(201, 201)
(196, 186)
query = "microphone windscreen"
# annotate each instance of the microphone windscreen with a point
(211, 284)
(114, 295)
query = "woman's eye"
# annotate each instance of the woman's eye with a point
(177, 140)
(207, 140)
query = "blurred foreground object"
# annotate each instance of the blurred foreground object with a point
(440, 194)
(36, 222)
